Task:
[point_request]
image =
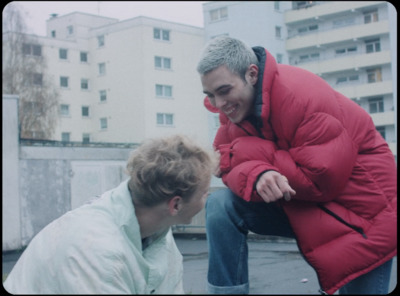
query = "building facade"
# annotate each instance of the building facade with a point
(352, 45)
(124, 81)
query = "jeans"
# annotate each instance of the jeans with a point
(375, 282)
(228, 221)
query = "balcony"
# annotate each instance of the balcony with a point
(346, 63)
(326, 9)
(328, 37)
(367, 90)
(383, 118)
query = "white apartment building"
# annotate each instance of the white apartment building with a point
(352, 45)
(125, 81)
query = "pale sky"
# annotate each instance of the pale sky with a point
(185, 12)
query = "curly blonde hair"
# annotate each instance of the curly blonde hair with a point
(162, 168)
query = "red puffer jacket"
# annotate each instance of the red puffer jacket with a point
(344, 213)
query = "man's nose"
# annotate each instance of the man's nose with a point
(219, 102)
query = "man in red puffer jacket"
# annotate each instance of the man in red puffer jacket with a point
(299, 160)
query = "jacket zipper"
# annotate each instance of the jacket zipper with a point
(340, 219)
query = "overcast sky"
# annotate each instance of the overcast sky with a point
(186, 12)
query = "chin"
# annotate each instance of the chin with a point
(235, 119)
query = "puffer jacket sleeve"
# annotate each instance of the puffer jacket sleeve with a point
(241, 163)
(318, 164)
(321, 159)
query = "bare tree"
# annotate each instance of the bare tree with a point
(24, 74)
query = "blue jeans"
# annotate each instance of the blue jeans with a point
(376, 282)
(228, 221)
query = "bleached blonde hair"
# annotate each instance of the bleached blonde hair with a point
(224, 50)
(162, 168)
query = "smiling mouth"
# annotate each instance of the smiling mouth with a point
(230, 110)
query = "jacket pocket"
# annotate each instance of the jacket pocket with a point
(340, 219)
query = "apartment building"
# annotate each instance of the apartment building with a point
(125, 81)
(352, 45)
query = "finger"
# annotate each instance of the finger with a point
(285, 188)
(276, 191)
(265, 193)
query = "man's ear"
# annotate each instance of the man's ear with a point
(175, 205)
(252, 74)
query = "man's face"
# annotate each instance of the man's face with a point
(229, 93)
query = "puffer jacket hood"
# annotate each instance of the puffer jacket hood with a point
(344, 213)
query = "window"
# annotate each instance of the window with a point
(33, 108)
(278, 33)
(313, 28)
(103, 123)
(64, 110)
(100, 41)
(85, 111)
(70, 30)
(376, 105)
(165, 119)
(373, 45)
(84, 57)
(382, 131)
(37, 79)
(162, 63)
(346, 50)
(164, 91)
(303, 4)
(64, 81)
(279, 58)
(354, 78)
(374, 75)
(32, 49)
(309, 57)
(86, 138)
(102, 68)
(277, 5)
(306, 29)
(371, 16)
(103, 95)
(63, 54)
(219, 14)
(84, 84)
(65, 137)
(53, 34)
(347, 79)
(161, 34)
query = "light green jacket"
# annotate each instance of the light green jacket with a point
(97, 249)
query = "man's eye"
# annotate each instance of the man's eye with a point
(224, 92)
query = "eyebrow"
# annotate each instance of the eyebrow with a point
(218, 88)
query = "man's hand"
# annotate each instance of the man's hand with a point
(272, 186)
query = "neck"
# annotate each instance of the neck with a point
(151, 219)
